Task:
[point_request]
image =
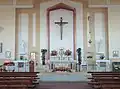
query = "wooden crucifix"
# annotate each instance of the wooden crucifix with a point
(61, 23)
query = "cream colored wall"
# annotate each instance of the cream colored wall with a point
(114, 29)
(99, 24)
(7, 36)
(103, 2)
(79, 26)
(17, 2)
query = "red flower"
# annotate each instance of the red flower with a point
(68, 52)
(54, 53)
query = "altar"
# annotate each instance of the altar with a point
(62, 59)
(65, 62)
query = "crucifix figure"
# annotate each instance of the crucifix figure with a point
(61, 23)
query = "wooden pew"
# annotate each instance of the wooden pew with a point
(105, 80)
(110, 83)
(18, 80)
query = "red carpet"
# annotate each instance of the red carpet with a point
(63, 85)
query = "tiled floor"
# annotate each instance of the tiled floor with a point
(63, 81)
(80, 76)
(63, 85)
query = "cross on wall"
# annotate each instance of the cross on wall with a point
(61, 23)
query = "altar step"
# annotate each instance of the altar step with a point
(64, 76)
(63, 85)
(43, 68)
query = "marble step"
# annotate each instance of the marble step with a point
(43, 68)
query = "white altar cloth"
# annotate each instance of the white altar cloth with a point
(103, 65)
(65, 61)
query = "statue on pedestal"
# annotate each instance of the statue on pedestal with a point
(79, 57)
(43, 55)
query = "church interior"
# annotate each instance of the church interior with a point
(54, 44)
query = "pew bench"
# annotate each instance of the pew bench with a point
(107, 72)
(112, 86)
(18, 80)
(16, 86)
(34, 80)
(105, 80)
(15, 83)
(10, 82)
(105, 84)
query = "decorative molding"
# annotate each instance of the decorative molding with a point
(66, 7)
(98, 6)
(24, 6)
(14, 2)
(80, 1)
(34, 30)
(17, 6)
(8, 54)
(60, 6)
(104, 3)
(103, 6)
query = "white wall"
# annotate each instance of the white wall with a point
(55, 36)
(79, 23)
(23, 34)
(100, 32)
(114, 30)
(7, 36)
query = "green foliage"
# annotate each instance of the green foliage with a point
(20, 59)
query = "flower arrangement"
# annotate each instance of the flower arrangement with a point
(54, 53)
(67, 69)
(43, 50)
(102, 57)
(68, 52)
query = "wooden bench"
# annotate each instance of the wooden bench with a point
(34, 74)
(23, 82)
(105, 84)
(105, 80)
(16, 86)
(18, 80)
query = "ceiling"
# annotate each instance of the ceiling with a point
(30, 3)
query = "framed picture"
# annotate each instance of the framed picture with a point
(8, 54)
(116, 53)
(1, 47)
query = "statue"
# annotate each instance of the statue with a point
(79, 57)
(43, 55)
(23, 47)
